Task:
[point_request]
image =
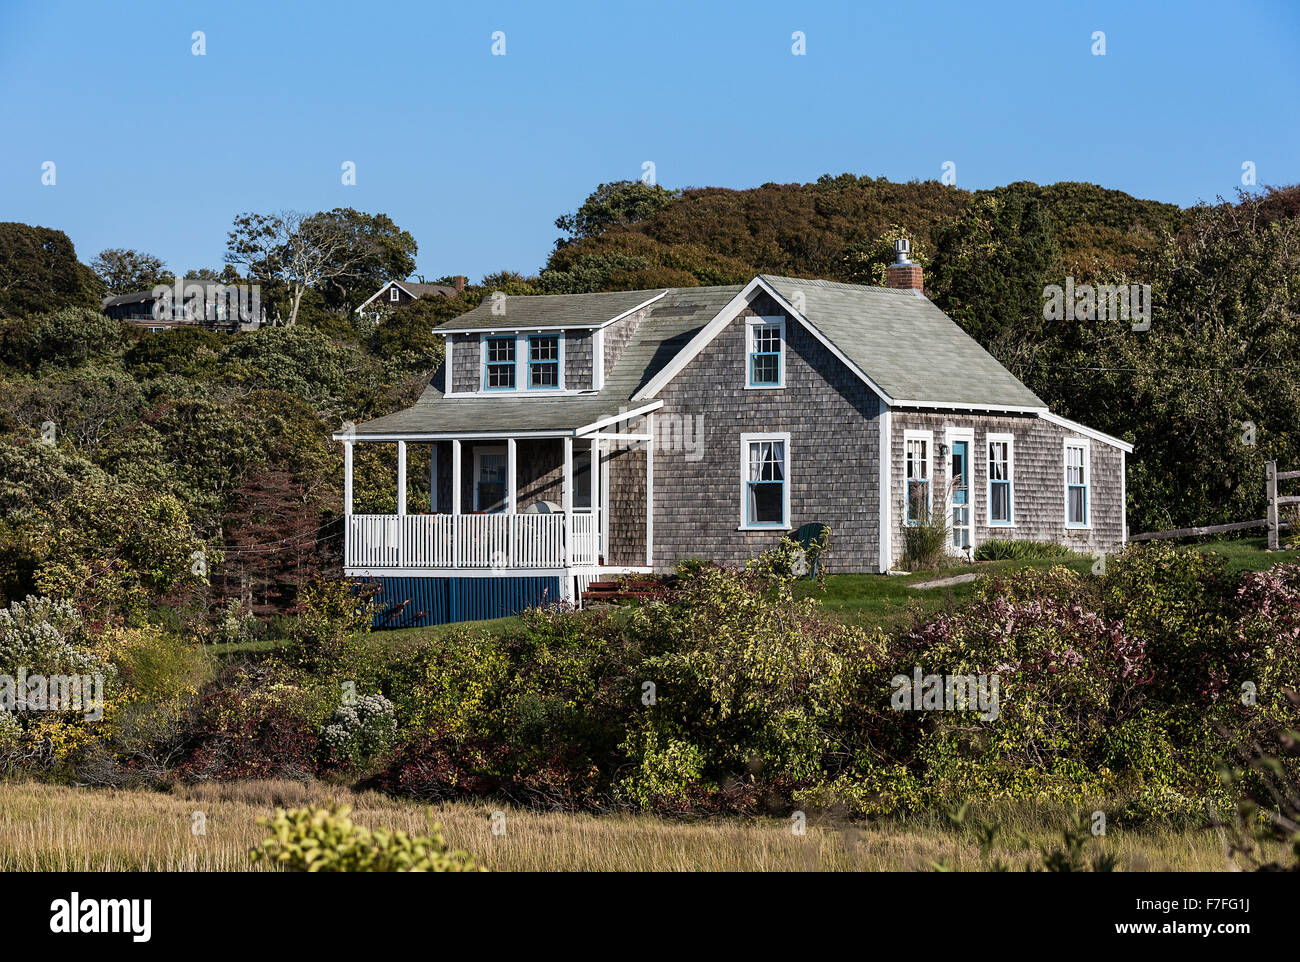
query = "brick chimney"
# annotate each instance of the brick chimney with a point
(458, 282)
(903, 274)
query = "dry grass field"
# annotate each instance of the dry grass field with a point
(53, 828)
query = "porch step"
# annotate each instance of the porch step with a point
(612, 591)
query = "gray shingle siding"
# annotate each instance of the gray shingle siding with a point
(465, 362)
(833, 421)
(1038, 487)
(577, 360)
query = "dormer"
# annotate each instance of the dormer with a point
(523, 347)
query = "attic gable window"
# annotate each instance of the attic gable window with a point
(499, 366)
(543, 361)
(394, 293)
(765, 337)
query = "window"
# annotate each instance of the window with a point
(394, 293)
(765, 473)
(1001, 467)
(916, 448)
(490, 479)
(543, 361)
(1077, 469)
(766, 338)
(499, 368)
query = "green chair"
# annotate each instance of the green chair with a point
(815, 539)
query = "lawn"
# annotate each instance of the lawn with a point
(57, 828)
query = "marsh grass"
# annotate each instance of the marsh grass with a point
(55, 828)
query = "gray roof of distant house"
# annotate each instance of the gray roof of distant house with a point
(138, 296)
(423, 290)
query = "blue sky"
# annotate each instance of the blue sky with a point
(476, 154)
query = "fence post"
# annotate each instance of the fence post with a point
(1270, 469)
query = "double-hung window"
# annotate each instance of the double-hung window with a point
(1001, 479)
(766, 351)
(393, 293)
(765, 480)
(916, 449)
(543, 361)
(1077, 481)
(499, 364)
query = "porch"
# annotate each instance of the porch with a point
(528, 505)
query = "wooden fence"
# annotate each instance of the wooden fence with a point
(1273, 522)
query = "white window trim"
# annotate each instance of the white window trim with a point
(521, 364)
(746, 439)
(1010, 440)
(393, 293)
(950, 435)
(928, 438)
(479, 451)
(750, 323)
(1076, 442)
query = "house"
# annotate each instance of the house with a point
(190, 302)
(575, 437)
(399, 293)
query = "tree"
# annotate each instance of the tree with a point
(614, 205)
(39, 271)
(125, 271)
(386, 253)
(300, 251)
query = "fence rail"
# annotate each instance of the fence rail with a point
(1273, 522)
(494, 541)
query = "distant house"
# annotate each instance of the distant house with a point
(190, 302)
(575, 437)
(398, 293)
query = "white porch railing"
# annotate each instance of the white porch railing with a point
(472, 541)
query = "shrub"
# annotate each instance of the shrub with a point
(360, 732)
(925, 543)
(321, 839)
(745, 679)
(997, 549)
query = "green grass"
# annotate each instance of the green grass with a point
(1248, 554)
(892, 601)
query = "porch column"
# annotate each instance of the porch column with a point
(347, 502)
(433, 477)
(595, 494)
(511, 500)
(650, 490)
(401, 504)
(511, 462)
(401, 477)
(567, 496)
(455, 476)
(455, 503)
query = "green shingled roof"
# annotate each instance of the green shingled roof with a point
(909, 347)
(549, 310)
(668, 326)
(900, 340)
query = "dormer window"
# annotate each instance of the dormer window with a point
(394, 293)
(543, 361)
(499, 369)
(765, 337)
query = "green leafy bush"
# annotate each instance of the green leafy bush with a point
(359, 732)
(997, 549)
(321, 839)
